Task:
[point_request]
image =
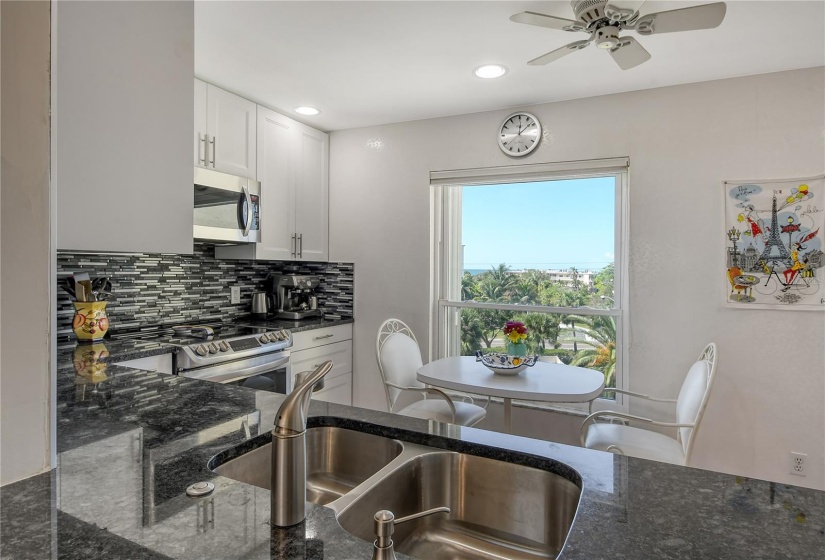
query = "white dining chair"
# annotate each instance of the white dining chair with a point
(398, 359)
(646, 444)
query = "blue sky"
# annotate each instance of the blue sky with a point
(552, 224)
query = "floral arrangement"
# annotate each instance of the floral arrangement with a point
(515, 331)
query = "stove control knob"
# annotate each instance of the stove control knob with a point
(200, 350)
(284, 334)
(223, 346)
(264, 338)
(213, 348)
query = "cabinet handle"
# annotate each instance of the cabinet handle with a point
(323, 336)
(205, 149)
(214, 150)
(301, 246)
(294, 245)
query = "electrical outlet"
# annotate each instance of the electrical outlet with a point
(798, 464)
(235, 295)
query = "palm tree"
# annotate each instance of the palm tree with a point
(541, 328)
(572, 298)
(574, 275)
(469, 287)
(600, 339)
(496, 284)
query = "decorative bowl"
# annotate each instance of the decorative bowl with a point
(505, 364)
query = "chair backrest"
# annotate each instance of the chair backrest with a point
(398, 355)
(693, 397)
(733, 272)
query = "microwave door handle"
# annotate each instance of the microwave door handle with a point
(249, 212)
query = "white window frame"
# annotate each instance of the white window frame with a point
(447, 254)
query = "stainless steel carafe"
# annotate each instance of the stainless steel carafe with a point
(259, 305)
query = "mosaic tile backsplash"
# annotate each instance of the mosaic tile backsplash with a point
(152, 288)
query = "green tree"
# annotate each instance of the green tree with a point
(472, 328)
(603, 287)
(541, 327)
(496, 284)
(571, 298)
(600, 340)
(469, 287)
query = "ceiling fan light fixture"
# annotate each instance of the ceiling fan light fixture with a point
(608, 44)
(306, 110)
(490, 71)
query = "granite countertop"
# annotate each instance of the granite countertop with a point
(299, 326)
(130, 441)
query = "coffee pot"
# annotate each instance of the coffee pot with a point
(259, 305)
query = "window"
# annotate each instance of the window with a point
(541, 244)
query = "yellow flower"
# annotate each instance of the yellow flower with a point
(515, 337)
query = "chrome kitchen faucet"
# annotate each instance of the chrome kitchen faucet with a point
(289, 452)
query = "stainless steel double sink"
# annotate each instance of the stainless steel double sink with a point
(498, 510)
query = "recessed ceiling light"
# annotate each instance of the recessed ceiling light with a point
(489, 71)
(309, 111)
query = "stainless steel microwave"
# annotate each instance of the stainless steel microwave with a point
(227, 207)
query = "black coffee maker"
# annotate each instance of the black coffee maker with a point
(292, 296)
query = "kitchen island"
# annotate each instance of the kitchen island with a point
(129, 445)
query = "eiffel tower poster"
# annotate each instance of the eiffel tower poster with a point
(781, 226)
(775, 252)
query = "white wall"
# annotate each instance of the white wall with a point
(682, 142)
(25, 421)
(124, 123)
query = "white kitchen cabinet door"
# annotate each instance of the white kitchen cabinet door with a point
(337, 390)
(200, 136)
(230, 122)
(340, 354)
(293, 167)
(119, 140)
(275, 133)
(312, 194)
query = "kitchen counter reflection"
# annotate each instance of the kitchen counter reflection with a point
(128, 451)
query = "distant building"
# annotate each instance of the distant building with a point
(584, 277)
(733, 258)
(750, 260)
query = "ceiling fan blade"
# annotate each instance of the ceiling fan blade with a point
(552, 56)
(629, 54)
(707, 16)
(622, 10)
(543, 20)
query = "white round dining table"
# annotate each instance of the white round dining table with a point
(544, 382)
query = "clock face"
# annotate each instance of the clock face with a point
(520, 134)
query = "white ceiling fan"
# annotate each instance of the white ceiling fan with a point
(603, 20)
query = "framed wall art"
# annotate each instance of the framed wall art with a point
(774, 238)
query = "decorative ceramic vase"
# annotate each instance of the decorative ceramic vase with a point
(90, 320)
(516, 349)
(87, 363)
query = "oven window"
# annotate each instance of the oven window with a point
(274, 382)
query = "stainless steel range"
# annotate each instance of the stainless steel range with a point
(248, 356)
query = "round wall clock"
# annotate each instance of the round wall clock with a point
(520, 134)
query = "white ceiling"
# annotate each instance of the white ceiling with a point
(367, 63)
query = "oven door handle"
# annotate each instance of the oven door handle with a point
(229, 372)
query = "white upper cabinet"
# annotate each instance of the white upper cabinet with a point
(224, 131)
(293, 170)
(121, 178)
(312, 194)
(201, 137)
(275, 173)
